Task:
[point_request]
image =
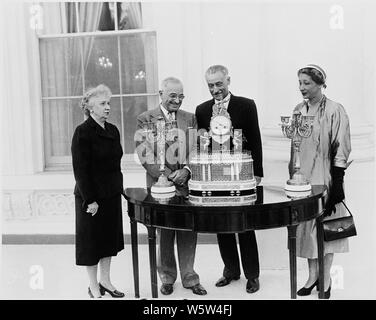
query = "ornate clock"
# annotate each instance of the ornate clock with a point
(220, 125)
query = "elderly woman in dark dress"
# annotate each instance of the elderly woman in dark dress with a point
(96, 155)
(324, 158)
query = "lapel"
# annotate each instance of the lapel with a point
(99, 130)
(210, 109)
(231, 105)
(157, 113)
(180, 138)
(182, 124)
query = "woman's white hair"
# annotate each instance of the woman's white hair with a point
(93, 92)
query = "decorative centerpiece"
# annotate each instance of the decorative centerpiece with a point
(221, 173)
(298, 128)
(161, 132)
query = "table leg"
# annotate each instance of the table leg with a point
(153, 262)
(134, 241)
(291, 230)
(320, 249)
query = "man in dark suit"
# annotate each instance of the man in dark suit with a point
(243, 115)
(171, 95)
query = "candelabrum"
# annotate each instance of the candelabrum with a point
(161, 132)
(299, 128)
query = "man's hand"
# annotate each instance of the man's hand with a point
(258, 180)
(92, 208)
(179, 177)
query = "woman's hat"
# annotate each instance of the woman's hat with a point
(316, 67)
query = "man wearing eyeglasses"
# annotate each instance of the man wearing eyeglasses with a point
(172, 96)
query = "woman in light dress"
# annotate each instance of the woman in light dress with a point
(324, 158)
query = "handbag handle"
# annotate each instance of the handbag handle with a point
(347, 208)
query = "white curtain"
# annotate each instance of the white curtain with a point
(130, 16)
(17, 92)
(63, 61)
(89, 16)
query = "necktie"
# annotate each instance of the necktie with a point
(171, 116)
(222, 102)
(220, 105)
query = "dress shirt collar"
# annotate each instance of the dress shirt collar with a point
(167, 114)
(225, 101)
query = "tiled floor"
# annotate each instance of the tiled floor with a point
(49, 272)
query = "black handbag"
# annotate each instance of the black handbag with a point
(339, 228)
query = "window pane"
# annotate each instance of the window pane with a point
(101, 62)
(54, 16)
(133, 107)
(70, 11)
(61, 68)
(88, 19)
(129, 15)
(139, 70)
(71, 65)
(107, 21)
(60, 118)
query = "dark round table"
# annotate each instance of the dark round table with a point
(272, 209)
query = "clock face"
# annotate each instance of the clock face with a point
(220, 125)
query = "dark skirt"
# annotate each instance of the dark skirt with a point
(100, 235)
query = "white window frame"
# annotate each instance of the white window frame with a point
(129, 161)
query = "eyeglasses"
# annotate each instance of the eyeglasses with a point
(174, 96)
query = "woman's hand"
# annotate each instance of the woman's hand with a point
(92, 208)
(336, 193)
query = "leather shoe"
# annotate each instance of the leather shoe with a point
(167, 288)
(307, 291)
(224, 281)
(114, 294)
(198, 289)
(253, 285)
(327, 293)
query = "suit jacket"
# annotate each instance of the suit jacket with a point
(181, 146)
(96, 155)
(243, 115)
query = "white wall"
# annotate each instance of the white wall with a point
(264, 44)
